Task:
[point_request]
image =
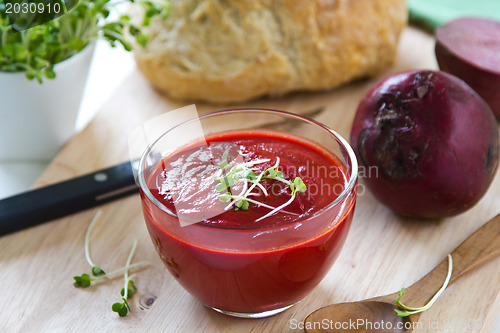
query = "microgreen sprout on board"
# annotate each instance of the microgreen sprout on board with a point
(85, 280)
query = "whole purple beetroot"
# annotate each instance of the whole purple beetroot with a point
(432, 140)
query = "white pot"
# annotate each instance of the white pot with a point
(37, 119)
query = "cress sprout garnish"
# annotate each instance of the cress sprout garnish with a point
(243, 173)
(85, 280)
(408, 311)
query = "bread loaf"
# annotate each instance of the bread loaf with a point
(236, 50)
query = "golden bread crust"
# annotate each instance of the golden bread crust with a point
(236, 50)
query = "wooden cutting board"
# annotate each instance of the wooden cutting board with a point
(383, 252)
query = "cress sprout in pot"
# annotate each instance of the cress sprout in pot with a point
(35, 51)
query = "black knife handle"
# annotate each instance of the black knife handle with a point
(47, 203)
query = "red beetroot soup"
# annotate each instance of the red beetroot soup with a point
(228, 258)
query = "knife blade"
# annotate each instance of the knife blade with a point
(36, 206)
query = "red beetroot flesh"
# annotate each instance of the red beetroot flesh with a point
(469, 48)
(433, 140)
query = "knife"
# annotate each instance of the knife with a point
(34, 207)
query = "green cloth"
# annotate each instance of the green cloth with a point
(433, 13)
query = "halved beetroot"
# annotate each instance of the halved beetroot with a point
(469, 48)
(432, 140)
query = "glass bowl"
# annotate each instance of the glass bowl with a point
(252, 271)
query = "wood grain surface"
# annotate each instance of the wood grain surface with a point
(383, 252)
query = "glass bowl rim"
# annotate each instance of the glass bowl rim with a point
(343, 142)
